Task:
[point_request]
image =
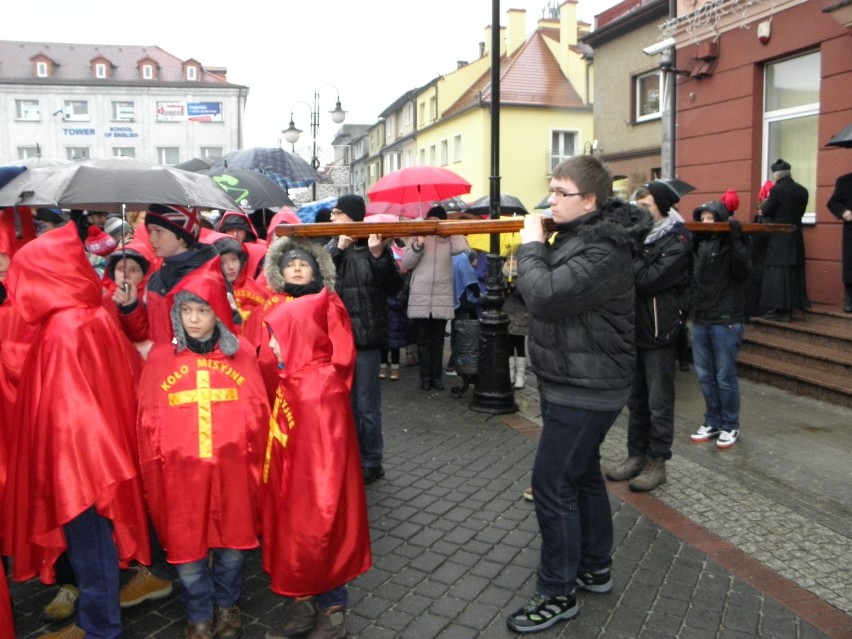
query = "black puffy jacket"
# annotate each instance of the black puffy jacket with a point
(580, 295)
(363, 283)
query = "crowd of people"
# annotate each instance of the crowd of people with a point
(244, 408)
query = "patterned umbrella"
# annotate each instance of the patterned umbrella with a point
(288, 170)
(250, 189)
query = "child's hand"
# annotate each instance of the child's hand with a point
(125, 294)
(376, 244)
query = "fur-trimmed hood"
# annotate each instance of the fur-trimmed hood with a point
(279, 247)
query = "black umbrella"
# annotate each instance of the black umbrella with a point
(509, 205)
(842, 139)
(250, 189)
(545, 203)
(112, 185)
(679, 187)
(286, 169)
(196, 165)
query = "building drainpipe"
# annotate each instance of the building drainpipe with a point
(669, 120)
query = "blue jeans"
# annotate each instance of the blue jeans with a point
(714, 352)
(367, 407)
(202, 588)
(94, 560)
(571, 502)
(336, 597)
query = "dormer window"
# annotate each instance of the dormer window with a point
(100, 71)
(147, 72)
(41, 69)
(191, 73)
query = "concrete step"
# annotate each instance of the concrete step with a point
(796, 378)
(830, 356)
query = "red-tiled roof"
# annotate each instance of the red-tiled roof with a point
(529, 77)
(74, 62)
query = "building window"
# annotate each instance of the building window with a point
(562, 146)
(100, 70)
(76, 110)
(191, 73)
(168, 154)
(147, 72)
(445, 152)
(27, 152)
(433, 155)
(647, 89)
(123, 111)
(124, 151)
(41, 69)
(77, 152)
(790, 120)
(27, 110)
(409, 113)
(421, 112)
(457, 148)
(211, 152)
(433, 108)
(422, 160)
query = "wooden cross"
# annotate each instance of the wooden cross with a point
(204, 396)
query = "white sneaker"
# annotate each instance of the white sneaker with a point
(727, 438)
(705, 434)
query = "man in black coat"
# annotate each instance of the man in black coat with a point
(783, 287)
(840, 205)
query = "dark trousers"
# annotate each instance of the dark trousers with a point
(430, 346)
(650, 429)
(94, 559)
(571, 502)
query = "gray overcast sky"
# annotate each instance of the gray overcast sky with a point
(372, 51)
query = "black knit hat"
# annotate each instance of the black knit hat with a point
(230, 244)
(353, 206)
(780, 165)
(437, 211)
(663, 195)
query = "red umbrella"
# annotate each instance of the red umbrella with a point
(418, 184)
(411, 211)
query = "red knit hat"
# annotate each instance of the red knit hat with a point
(731, 200)
(99, 242)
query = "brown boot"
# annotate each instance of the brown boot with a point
(227, 623)
(652, 475)
(144, 586)
(301, 616)
(394, 372)
(68, 632)
(331, 624)
(628, 469)
(198, 630)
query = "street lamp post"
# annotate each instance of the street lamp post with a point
(291, 133)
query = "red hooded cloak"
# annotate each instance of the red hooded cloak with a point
(75, 446)
(316, 536)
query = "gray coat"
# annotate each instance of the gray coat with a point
(430, 292)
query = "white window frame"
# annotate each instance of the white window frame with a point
(409, 113)
(28, 110)
(637, 90)
(191, 73)
(77, 152)
(557, 153)
(76, 110)
(147, 72)
(41, 69)
(27, 152)
(788, 114)
(100, 70)
(445, 152)
(433, 155)
(123, 110)
(422, 158)
(124, 151)
(211, 152)
(457, 147)
(168, 155)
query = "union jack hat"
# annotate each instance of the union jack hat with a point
(180, 220)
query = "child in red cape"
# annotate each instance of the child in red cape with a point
(73, 480)
(203, 415)
(316, 537)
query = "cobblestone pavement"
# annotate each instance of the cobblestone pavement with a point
(749, 542)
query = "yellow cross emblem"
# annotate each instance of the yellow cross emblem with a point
(204, 396)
